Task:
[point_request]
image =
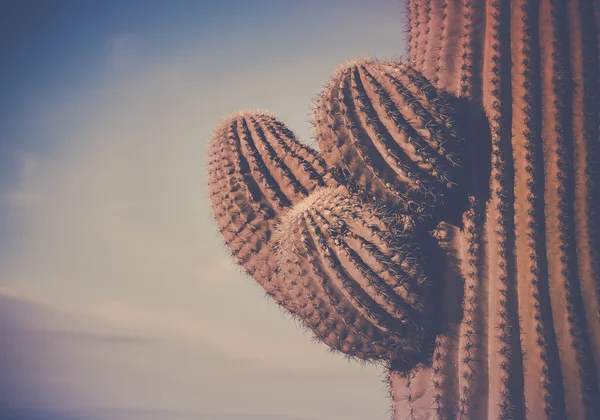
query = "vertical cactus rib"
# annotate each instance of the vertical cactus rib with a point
(585, 120)
(504, 363)
(472, 375)
(438, 12)
(412, 394)
(578, 371)
(479, 30)
(444, 68)
(413, 14)
(473, 371)
(473, 346)
(424, 17)
(542, 376)
(465, 75)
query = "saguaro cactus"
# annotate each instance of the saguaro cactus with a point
(342, 239)
(529, 241)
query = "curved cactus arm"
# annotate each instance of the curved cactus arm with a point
(362, 272)
(257, 169)
(391, 129)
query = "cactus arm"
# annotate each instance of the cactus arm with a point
(238, 210)
(366, 277)
(389, 127)
(257, 168)
(312, 171)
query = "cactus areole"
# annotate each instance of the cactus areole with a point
(477, 155)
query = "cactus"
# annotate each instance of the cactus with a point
(530, 236)
(342, 239)
(352, 272)
(257, 169)
(362, 276)
(388, 126)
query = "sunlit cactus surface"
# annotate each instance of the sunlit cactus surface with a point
(448, 227)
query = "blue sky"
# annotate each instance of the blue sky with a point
(118, 299)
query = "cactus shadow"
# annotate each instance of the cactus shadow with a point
(476, 151)
(445, 262)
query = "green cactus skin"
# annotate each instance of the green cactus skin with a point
(528, 345)
(358, 275)
(390, 128)
(258, 169)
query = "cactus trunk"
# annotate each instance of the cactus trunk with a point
(528, 343)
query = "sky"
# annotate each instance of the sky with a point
(118, 299)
